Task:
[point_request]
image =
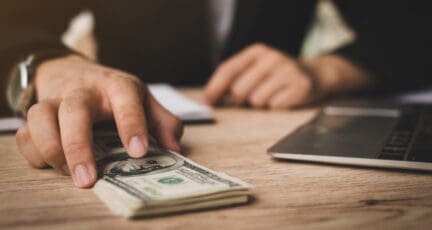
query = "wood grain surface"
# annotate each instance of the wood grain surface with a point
(287, 195)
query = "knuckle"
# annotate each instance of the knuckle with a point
(77, 99)
(131, 80)
(256, 101)
(73, 86)
(75, 147)
(52, 153)
(130, 122)
(277, 105)
(122, 83)
(77, 96)
(22, 134)
(38, 109)
(127, 115)
(110, 74)
(81, 92)
(237, 90)
(70, 105)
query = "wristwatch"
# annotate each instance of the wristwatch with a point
(20, 91)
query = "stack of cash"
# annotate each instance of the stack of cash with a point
(159, 183)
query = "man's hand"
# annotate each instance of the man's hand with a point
(262, 77)
(73, 93)
(265, 77)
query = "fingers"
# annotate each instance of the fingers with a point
(27, 149)
(165, 127)
(75, 119)
(287, 87)
(246, 83)
(126, 99)
(44, 131)
(294, 94)
(263, 77)
(64, 142)
(262, 94)
(60, 134)
(250, 77)
(226, 73)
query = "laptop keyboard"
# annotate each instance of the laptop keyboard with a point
(412, 137)
(421, 149)
(399, 140)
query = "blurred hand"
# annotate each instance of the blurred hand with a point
(265, 77)
(73, 93)
(262, 77)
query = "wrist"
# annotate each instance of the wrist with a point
(335, 75)
(21, 89)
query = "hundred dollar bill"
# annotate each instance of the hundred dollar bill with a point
(161, 182)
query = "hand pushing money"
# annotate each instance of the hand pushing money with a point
(159, 183)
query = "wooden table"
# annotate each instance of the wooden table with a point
(286, 194)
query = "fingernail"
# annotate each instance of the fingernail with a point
(82, 177)
(65, 170)
(137, 146)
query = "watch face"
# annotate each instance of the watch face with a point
(14, 89)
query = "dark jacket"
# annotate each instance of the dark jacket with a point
(168, 40)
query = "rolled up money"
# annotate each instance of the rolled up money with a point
(159, 183)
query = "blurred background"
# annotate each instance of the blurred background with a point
(328, 31)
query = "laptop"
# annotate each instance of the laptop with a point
(363, 134)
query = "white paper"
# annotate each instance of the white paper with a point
(167, 96)
(179, 105)
(8, 124)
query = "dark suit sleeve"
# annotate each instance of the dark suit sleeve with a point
(279, 23)
(30, 27)
(392, 42)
